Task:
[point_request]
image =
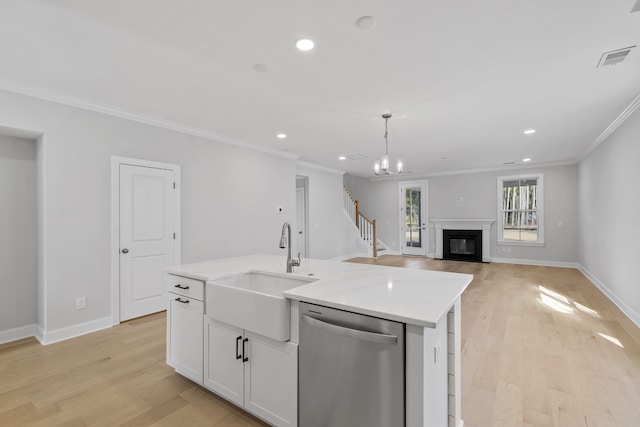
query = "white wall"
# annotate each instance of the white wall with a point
(18, 233)
(364, 190)
(329, 233)
(609, 221)
(229, 198)
(479, 193)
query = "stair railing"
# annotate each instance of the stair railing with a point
(366, 226)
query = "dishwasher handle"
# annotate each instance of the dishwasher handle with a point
(350, 332)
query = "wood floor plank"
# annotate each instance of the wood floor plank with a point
(541, 346)
(566, 353)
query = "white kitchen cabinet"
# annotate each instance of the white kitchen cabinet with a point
(184, 327)
(223, 366)
(254, 372)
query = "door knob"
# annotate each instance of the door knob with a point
(125, 251)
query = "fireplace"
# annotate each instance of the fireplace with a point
(462, 245)
(455, 225)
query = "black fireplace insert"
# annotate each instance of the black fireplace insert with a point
(462, 245)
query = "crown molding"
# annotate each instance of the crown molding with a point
(111, 110)
(319, 167)
(405, 177)
(631, 108)
(19, 133)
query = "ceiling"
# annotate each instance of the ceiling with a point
(463, 79)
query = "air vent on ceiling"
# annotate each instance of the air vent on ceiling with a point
(356, 156)
(636, 7)
(614, 57)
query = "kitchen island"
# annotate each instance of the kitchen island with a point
(212, 305)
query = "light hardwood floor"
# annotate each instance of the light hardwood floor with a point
(540, 347)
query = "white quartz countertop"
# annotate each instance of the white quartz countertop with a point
(418, 297)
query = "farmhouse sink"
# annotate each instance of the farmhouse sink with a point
(253, 301)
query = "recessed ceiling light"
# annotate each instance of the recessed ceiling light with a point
(366, 22)
(342, 158)
(261, 68)
(529, 131)
(526, 160)
(305, 44)
(281, 135)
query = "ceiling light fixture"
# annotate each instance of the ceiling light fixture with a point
(305, 44)
(529, 131)
(342, 158)
(261, 68)
(381, 167)
(368, 22)
(526, 160)
(281, 135)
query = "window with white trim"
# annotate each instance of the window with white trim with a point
(520, 209)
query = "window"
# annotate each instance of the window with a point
(520, 213)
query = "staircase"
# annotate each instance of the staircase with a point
(366, 227)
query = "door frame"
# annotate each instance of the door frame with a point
(425, 215)
(116, 161)
(304, 180)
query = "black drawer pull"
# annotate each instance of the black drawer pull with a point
(238, 356)
(244, 358)
(179, 286)
(182, 301)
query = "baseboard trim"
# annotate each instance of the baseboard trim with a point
(389, 252)
(40, 334)
(345, 257)
(57, 335)
(628, 311)
(15, 334)
(541, 263)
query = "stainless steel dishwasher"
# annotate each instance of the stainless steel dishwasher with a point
(351, 369)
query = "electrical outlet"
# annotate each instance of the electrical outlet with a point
(81, 303)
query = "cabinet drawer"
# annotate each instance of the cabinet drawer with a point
(185, 286)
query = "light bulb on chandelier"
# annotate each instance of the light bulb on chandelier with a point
(381, 167)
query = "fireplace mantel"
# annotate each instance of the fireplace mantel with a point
(463, 224)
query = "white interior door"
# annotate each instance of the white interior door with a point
(413, 218)
(301, 223)
(147, 212)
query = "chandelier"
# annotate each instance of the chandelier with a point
(381, 167)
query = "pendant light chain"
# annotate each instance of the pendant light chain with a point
(386, 133)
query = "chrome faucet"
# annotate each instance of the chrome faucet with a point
(285, 242)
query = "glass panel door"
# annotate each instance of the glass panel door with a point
(413, 217)
(413, 227)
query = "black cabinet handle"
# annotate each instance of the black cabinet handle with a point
(238, 356)
(184, 302)
(244, 358)
(179, 286)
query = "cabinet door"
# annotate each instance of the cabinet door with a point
(184, 336)
(271, 380)
(223, 370)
